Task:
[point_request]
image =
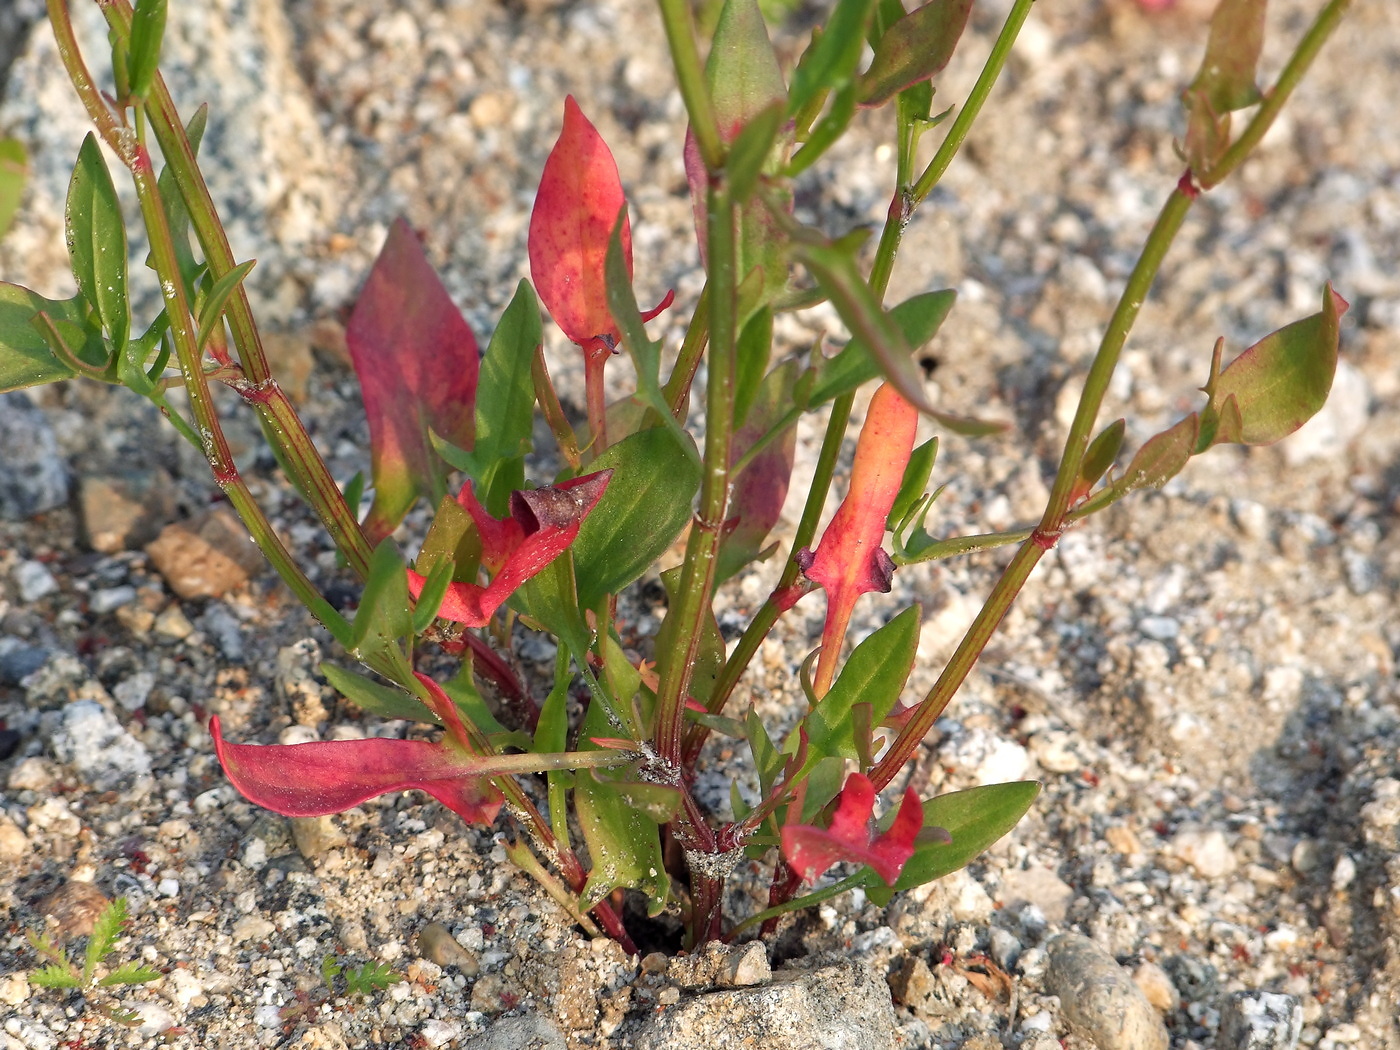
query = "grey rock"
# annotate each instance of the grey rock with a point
(531, 1032)
(109, 599)
(1098, 997)
(717, 965)
(19, 660)
(33, 475)
(1256, 1020)
(225, 630)
(34, 581)
(842, 1006)
(103, 753)
(133, 692)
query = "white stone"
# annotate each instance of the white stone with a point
(102, 752)
(34, 581)
(1205, 849)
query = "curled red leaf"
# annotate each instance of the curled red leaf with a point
(850, 836)
(542, 523)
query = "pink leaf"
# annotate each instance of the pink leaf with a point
(543, 523)
(579, 199)
(312, 780)
(812, 850)
(417, 361)
(849, 560)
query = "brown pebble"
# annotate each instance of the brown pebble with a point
(315, 836)
(74, 907)
(437, 945)
(206, 556)
(125, 510)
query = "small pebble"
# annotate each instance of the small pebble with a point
(74, 906)
(34, 581)
(1257, 1020)
(1157, 986)
(316, 836)
(1099, 998)
(1205, 849)
(437, 945)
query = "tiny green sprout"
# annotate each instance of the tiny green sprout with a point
(366, 980)
(61, 972)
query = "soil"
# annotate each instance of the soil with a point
(1203, 679)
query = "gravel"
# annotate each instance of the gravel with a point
(1203, 679)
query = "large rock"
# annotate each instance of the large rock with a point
(844, 1006)
(1098, 997)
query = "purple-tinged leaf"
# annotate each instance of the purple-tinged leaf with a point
(417, 361)
(1163, 455)
(914, 49)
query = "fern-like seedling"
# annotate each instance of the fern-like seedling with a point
(61, 972)
(366, 980)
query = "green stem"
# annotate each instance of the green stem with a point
(986, 80)
(677, 389)
(690, 78)
(702, 548)
(776, 605)
(309, 471)
(1308, 47)
(182, 331)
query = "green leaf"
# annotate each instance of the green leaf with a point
(425, 609)
(915, 481)
(374, 697)
(826, 131)
(748, 154)
(645, 354)
(14, 172)
(26, 358)
(175, 204)
(830, 63)
(623, 843)
(370, 978)
(759, 490)
(147, 30)
(55, 976)
(105, 931)
(505, 401)
(550, 598)
(975, 818)
(462, 689)
(217, 299)
(1161, 458)
(1283, 380)
(913, 49)
(647, 504)
(874, 674)
(97, 240)
(451, 537)
(766, 758)
(917, 319)
(330, 970)
(1101, 453)
(130, 973)
(383, 618)
(752, 351)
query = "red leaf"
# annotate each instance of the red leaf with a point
(579, 199)
(849, 560)
(417, 361)
(812, 850)
(312, 780)
(543, 523)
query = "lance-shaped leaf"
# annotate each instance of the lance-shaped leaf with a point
(1225, 81)
(913, 49)
(1283, 380)
(851, 835)
(315, 779)
(849, 560)
(96, 239)
(14, 172)
(26, 358)
(747, 89)
(541, 525)
(417, 361)
(579, 199)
